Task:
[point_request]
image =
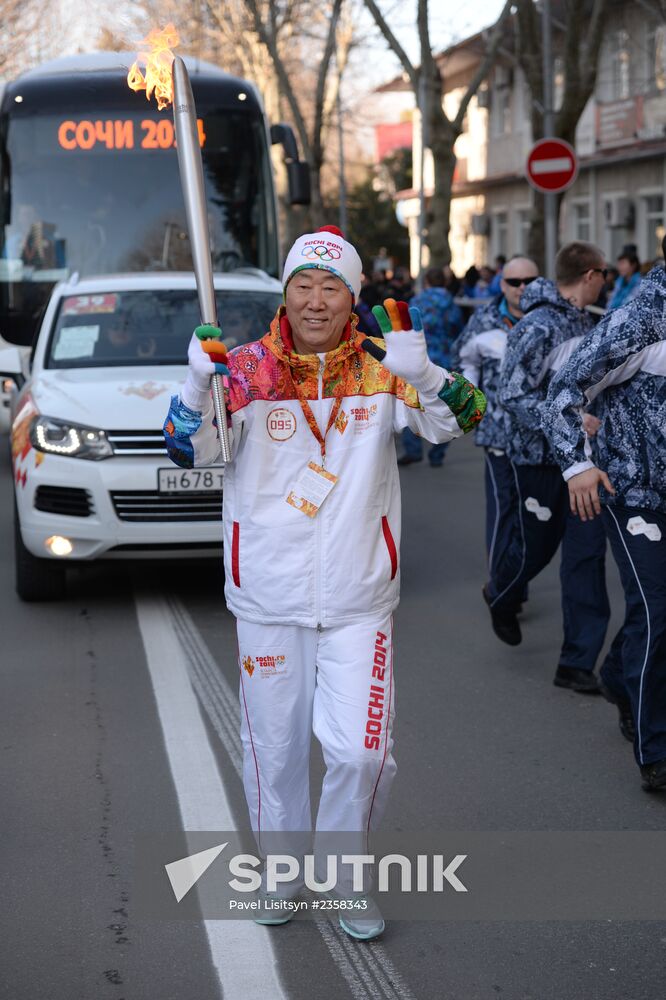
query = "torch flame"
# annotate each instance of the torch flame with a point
(158, 59)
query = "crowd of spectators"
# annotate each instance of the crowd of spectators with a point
(480, 284)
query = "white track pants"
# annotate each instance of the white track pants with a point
(337, 682)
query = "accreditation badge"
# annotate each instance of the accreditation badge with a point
(311, 489)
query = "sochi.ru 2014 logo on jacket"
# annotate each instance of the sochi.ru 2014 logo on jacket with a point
(363, 416)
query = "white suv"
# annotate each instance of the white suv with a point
(91, 475)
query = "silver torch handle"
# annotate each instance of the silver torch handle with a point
(192, 183)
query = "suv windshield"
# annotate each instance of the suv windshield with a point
(149, 327)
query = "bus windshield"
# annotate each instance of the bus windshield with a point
(97, 191)
(100, 210)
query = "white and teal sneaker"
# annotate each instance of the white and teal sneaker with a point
(272, 912)
(363, 924)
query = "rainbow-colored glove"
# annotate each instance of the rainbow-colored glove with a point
(210, 343)
(406, 353)
(206, 356)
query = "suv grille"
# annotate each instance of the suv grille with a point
(65, 500)
(137, 442)
(146, 505)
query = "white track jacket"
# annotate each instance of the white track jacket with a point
(342, 564)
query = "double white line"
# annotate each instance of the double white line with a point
(243, 953)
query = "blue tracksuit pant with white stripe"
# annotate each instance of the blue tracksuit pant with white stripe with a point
(502, 521)
(638, 542)
(544, 520)
(585, 605)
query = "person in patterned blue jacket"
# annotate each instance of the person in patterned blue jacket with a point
(554, 323)
(480, 349)
(442, 322)
(621, 366)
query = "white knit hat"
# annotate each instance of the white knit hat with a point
(328, 250)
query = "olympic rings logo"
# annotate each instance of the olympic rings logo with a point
(321, 252)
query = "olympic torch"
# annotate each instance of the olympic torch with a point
(192, 183)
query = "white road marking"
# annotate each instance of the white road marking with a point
(367, 969)
(242, 951)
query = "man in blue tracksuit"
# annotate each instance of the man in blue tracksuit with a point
(621, 366)
(442, 322)
(480, 349)
(554, 323)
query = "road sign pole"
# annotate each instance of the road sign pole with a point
(424, 111)
(550, 200)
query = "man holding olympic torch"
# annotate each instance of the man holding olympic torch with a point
(312, 532)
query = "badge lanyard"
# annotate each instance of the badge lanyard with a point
(312, 422)
(315, 483)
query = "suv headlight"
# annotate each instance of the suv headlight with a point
(58, 437)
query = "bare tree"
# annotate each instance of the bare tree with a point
(28, 35)
(193, 23)
(286, 48)
(277, 21)
(237, 47)
(109, 40)
(579, 32)
(428, 85)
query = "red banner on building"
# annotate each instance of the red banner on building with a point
(388, 138)
(618, 122)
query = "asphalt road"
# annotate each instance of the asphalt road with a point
(484, 742)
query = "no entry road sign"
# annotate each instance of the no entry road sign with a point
(551, 166)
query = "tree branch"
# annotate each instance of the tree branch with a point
(393, 42)
(321, 79)
(592, 44)
(484, 65)
(345, 42)
(427, 59)
(529, 46)
(581, 58)
(429, 94)
(270, 42)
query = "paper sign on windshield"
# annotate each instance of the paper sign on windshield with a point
(76, 342)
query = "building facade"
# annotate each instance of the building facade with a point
(619, 196)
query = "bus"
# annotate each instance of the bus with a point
(89, 180)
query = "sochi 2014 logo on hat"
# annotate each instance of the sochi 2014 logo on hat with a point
(321, 251)
(281, 424)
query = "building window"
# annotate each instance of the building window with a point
(501, 233)
(581, 220)
(653, 206)
(656, 66)
(500, 114)
(620, 65)
(522, 230)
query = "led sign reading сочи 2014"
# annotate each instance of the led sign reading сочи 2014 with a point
(121, 133)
